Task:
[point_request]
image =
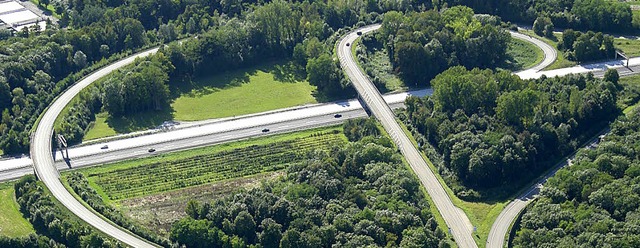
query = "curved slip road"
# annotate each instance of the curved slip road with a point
(550, 53)
(458, 223)
(41, 154)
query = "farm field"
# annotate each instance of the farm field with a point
(207, 165)
(12, 223)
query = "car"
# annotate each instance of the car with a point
(359, 33)
(347, 44)
(337, 116)
(104, 147)
(265, 130)
(152, 150)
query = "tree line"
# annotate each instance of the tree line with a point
(423, 44)
(230, 35)
(597, 15)
(594, 201)
(49, 219)
(359, 195)
(506, 130)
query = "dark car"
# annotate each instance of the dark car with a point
(359, 33)
(347, 44)
(152, 150)
(104, 147)
(337, 116)
(265, 130)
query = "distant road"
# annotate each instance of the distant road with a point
(44, 165)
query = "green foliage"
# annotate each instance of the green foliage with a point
(423, 44)
(381, 206)
(356, 129)
(506, 130)
(586, 46)
(593, 202)
(49, 219)
(602, 15)
(173, 174)
(80, 186)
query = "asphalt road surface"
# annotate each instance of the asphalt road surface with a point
(44, 164)
(460, 227)
(550, 53)
(100, 156)
(458, 223)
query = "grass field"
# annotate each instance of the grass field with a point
(253, 90)
(241, 92)
(629, 47)
(525, 55)
(207, 165)
(12, 224)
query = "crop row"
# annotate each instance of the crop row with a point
(207, 168)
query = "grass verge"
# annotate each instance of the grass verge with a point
(630, 98)
(12, 223)
(561, 61)
(48, 10)
(630, 47)
(525, 55)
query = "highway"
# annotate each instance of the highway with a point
(46, 168)
(46, 171)
(458, 223)
(198, 135)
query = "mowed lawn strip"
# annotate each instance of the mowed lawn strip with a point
(238, 93)
(201, 166)
(12, 223)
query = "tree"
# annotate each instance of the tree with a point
(612, 76)
(245, 226)
(193, 209)
(323, 73)
(80, 59)
(271, 233)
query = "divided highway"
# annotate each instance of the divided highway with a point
(460, 227)
(44, 165)
(458, 223)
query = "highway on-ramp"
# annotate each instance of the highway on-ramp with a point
(41, 154)
(458, 223)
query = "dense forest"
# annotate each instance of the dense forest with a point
(595, 201)
(360, 195)
(505, 129)
(597, 15)
(423, 44)
(37, 66)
